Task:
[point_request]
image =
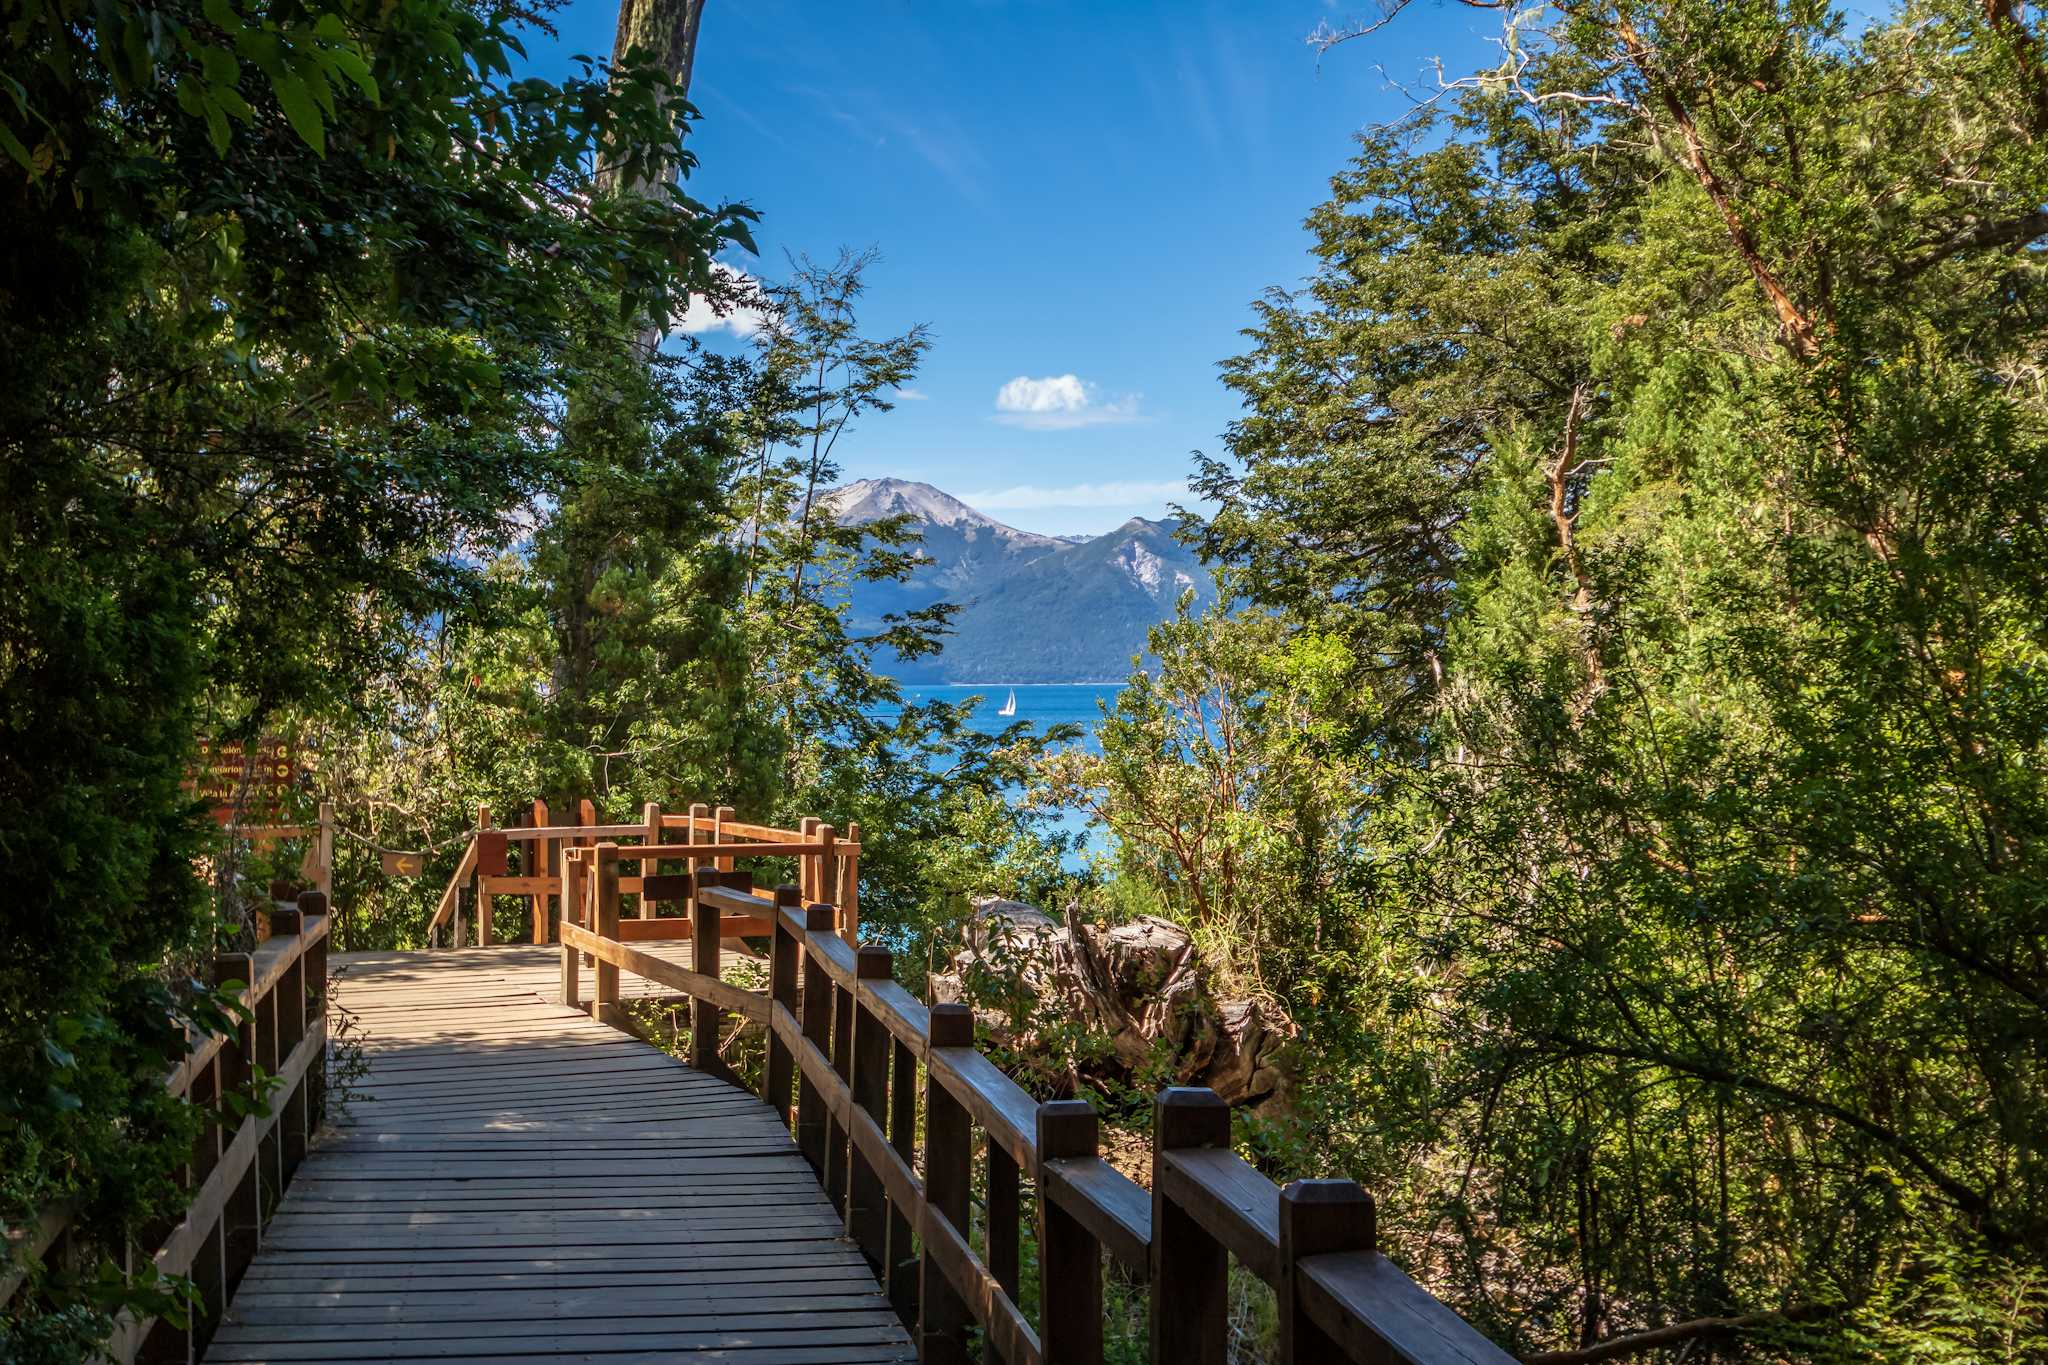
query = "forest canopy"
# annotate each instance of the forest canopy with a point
(1649, 484)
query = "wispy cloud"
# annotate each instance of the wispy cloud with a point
(911, 396)
(929, 133)
(1060, 403)
(1025, 497)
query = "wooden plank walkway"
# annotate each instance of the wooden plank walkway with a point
(513, 1181)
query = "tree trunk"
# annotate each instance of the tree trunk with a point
(666, 31)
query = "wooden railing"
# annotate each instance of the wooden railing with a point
(828, 867)
(238, 1170)
(852, 1062)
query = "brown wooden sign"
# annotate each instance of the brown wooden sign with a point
(668, 886)
(402, 864)
(490, 853)
(249, 781)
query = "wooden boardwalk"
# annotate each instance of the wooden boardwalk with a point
(513, 1181)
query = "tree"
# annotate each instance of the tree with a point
(1220, 779)
(1656, 434)
(289, 296)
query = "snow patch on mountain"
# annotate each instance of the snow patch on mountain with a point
(1142, 565)
(873, 499)
(1030, 607)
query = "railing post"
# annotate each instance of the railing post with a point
(1069, 1257)
(576, 907)
(314, 904)
(605, 924)
(490, 862)
(269, 1149)
(209, 1263)
(720, 818)
(572, 893)
(783, 966)
(1316, 1216)
(323, 852)
(867, 1203)
(1004, 1230)
(901, 1281)
(842, 1062)
(806, 865)
(290, 1013)
(540, 863)
(827, 891)
(1190, 1269)
(948, 1173)
(813, 1123)
(849, 888)
(704, 958)
(696, 834)
(650, 821)
(242, 1219)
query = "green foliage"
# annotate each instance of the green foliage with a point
(1225, 781)
(282, 294)
(1656, 449)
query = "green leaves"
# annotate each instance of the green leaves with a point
(284, 371)
(1679, 544)
(302, 109)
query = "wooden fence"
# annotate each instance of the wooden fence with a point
(885, 1094)
(828, 867)
(238, 1170)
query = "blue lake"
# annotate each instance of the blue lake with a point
(1043, 705)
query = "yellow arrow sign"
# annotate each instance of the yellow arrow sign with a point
(402, 864)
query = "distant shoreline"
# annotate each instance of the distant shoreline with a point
(1084, 682)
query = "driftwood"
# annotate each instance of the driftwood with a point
(1141, 986)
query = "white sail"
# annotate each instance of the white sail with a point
(1010, 706)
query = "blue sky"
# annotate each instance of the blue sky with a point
(1081, 200)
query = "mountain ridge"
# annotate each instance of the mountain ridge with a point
(1032, 608)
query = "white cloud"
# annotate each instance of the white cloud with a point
(1060, 403)
(1119, 494)
(911, 396)
(737, 318)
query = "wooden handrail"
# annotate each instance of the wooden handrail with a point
(823, 858)
(846, 1046)
(464, 870)
(237, 1171)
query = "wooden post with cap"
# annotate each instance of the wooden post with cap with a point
(483, 899)
(721, 818)
(1316, 1217)
(650, 823)
(705, 1017)
(605, 924)
(1190, 1268)
(1069, 1256)
(948, 1181)
(784, 959)
(813, 1122)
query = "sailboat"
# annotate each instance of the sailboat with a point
(1010, 706)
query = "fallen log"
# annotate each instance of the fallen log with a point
(1140, 986)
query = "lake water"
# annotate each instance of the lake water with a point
(1043, 705)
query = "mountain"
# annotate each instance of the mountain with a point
(1033, 608)
(963, 550)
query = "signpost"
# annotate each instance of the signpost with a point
(249, 783)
